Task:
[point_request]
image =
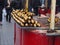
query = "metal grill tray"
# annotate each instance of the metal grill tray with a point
(43, 21)
(53, 34)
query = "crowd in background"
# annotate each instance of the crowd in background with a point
(19, 4)
(8, 5)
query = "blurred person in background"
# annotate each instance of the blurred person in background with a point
(35, 5)
(16, 4)
(2, 3)
(8, 9)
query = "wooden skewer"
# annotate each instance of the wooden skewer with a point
(26, 6)
(53, 8)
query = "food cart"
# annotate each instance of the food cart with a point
(47, 33)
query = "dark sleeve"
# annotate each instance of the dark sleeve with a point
(36, 3)
(31, 3)
(5, 3)
(13, 4)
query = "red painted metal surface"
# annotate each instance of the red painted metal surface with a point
(31, 38)
(17, 35)
(14, 32)
(24, 37)
(57, 41)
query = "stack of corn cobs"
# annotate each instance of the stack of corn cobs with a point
(25, 19)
